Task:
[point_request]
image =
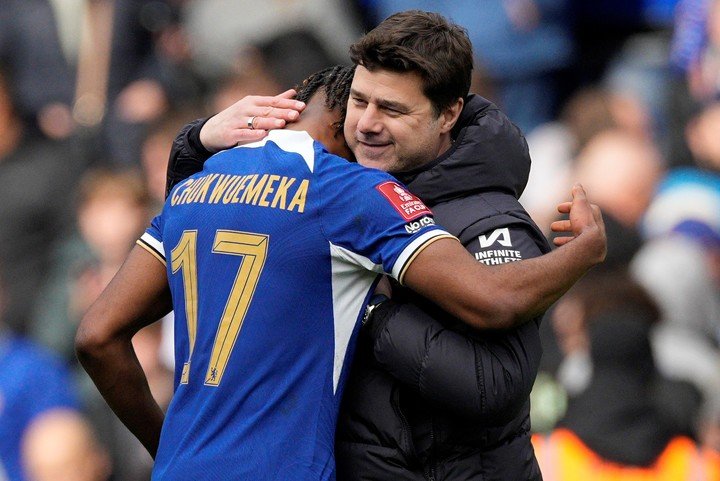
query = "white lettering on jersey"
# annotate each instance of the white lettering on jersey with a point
(414, 226)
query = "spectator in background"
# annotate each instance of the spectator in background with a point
(623, 169)
(689, 33)
(61, 446)
(696, 49)
(620, 427)
(252, 77)
(623, 166)
(33, 385)
(695, 69)
(322, 27)
(554, 145)
(680, 266)
(260, 51)
(37, 176)
(35, 67)
(112, 209)
(149, 72)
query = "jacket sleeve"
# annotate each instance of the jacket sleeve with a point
(187, 154)
(483, 376)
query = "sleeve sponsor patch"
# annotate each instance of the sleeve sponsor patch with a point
(415, 225)
(495, 248)
(409, 206)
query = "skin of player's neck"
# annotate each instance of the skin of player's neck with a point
(313, 119)
(321, 124)
(309, 124)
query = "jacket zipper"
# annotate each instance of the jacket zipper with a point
(405, 424)
(431, 461)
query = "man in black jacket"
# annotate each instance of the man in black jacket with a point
(449, 402)
(429, 398)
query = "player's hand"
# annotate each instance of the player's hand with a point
(249, 119)
(585, 219)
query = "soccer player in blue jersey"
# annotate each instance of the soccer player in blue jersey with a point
(268, 257)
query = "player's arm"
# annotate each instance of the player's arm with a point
(483, 376)
(137, 296)
(505, 296)
(247, 120)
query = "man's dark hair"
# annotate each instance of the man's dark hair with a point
(335, 82)
(423, 42)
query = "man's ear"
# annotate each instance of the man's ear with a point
(450, 115)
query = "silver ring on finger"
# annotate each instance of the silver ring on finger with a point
(251, 122)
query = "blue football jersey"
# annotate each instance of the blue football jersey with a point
(271, 252)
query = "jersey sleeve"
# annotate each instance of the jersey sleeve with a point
(374, 221)
(152, 240)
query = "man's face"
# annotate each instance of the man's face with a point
(390, 123)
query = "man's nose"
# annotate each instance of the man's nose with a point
(369, 121)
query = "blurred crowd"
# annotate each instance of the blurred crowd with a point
(621, 95)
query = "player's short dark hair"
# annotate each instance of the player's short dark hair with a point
(335, 82)
(422, 42)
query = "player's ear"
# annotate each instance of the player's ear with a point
(450, 115)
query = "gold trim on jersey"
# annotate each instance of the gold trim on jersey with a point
(417, 251)
(151, 250)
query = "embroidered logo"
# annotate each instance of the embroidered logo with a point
(409, 206)
(501, 236)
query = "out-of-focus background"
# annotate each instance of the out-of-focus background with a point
(622, 95)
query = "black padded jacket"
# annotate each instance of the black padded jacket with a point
(427, 397)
